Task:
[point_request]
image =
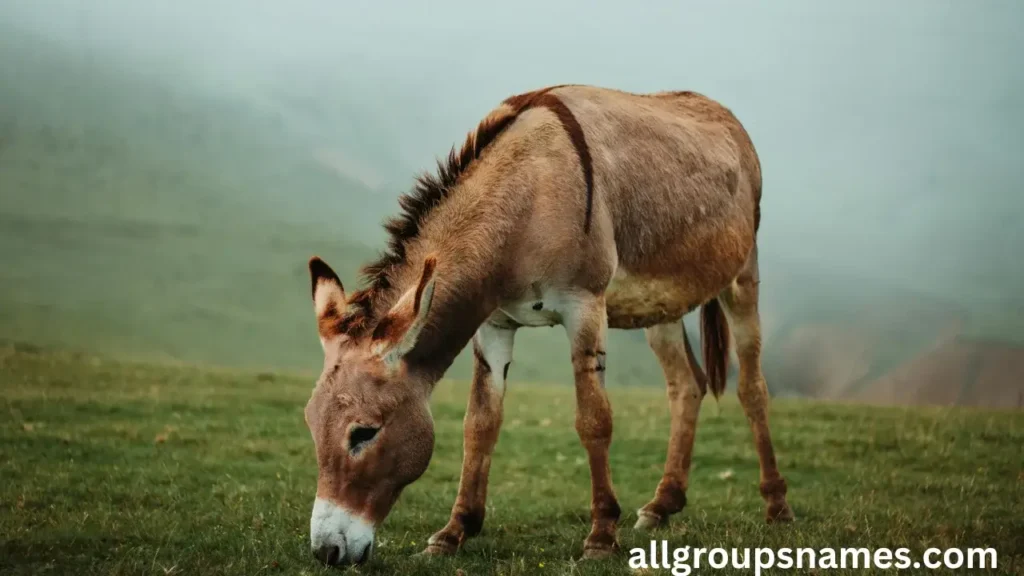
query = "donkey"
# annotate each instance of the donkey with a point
(575, 205)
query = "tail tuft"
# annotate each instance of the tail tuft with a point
(714, 343)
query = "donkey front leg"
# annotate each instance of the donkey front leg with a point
(492, 352)
(587, 328)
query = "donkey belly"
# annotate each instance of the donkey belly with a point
(665, 275)
(632, 301)
(635, 301)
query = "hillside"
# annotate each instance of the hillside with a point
(957, 371)
(138, 219)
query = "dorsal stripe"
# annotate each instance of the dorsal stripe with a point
(543, 99)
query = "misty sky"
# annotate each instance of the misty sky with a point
(891, 134)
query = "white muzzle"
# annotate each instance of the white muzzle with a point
(337, 536)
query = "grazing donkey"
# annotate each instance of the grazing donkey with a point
(574, 205)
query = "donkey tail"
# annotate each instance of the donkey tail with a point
(698, 372)
(714, 343)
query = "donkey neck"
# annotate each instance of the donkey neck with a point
(451, 325)
(468, 235)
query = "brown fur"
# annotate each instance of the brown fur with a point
(699, 375)
(481, 426)
(685, 393)
(481, 362)
(594, 427)
(392, 326)
(739, 302)
(579, 141)
(578, 205)
(330, 320)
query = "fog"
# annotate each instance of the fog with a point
(890, 135)
(890, 138)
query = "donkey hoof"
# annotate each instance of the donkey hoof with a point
(598, 553)
(438, 549)
(779, 512)
(648, 521)
(441, 545)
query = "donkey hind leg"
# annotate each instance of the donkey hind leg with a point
(492, 352)
(739, 302)
(686, 385)
(587, 328)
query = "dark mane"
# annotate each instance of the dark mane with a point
(427, 193)
(430, 190)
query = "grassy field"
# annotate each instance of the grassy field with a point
(118, 468)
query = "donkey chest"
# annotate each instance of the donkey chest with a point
(543, 307)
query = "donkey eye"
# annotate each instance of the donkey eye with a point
(359, 437)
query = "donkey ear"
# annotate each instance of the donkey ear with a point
(411, 311)
(328, 298)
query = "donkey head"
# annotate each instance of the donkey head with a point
(369, 416)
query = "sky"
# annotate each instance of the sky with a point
(890, 134)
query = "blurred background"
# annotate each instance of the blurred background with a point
(167, 168)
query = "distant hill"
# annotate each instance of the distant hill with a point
(957, 371)
(887, 346)
(824, 331)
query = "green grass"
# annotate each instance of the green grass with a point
(119, 468)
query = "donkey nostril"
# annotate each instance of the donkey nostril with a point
(329, 555)
(364, 555)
